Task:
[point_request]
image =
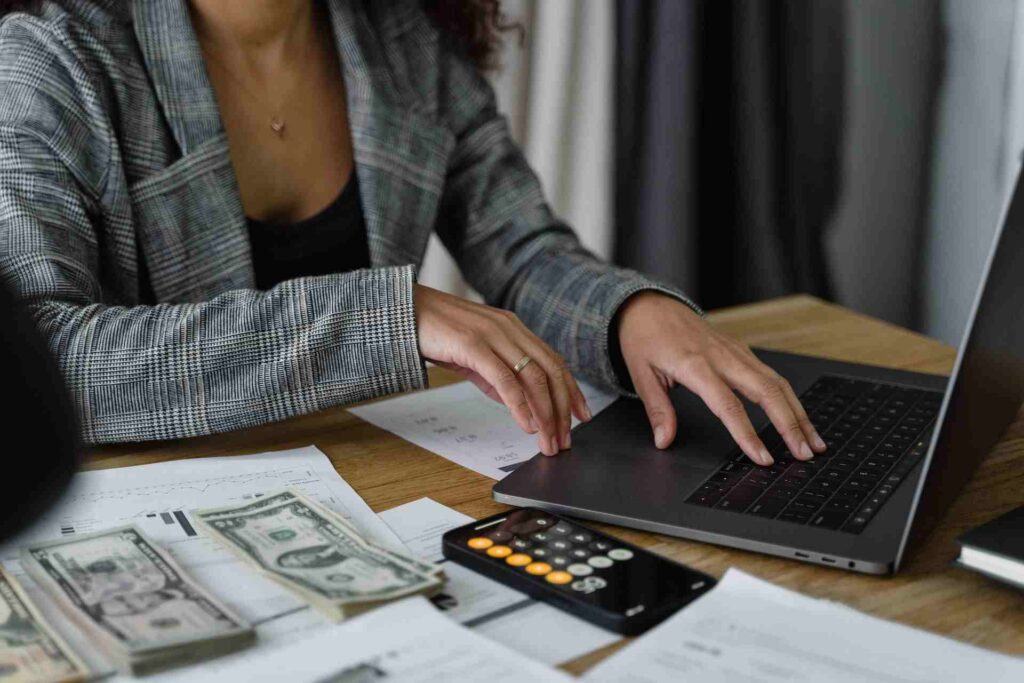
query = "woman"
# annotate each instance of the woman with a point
(164, 172)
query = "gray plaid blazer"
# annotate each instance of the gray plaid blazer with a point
(122, 229)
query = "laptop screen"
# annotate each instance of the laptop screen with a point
(987, 385)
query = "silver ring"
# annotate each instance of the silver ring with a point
(523, 362)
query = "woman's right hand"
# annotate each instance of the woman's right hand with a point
(483, 344)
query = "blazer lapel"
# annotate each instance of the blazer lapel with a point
(401, 153)
(192, 227)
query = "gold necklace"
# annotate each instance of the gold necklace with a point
(277, 122)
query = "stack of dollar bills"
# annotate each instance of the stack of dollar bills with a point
(133, 601)
(317, 555)
(30, 651)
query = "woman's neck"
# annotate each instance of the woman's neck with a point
(254, 30)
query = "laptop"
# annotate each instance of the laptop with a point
(901, 446)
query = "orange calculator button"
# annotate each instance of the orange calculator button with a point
(499, 551)
(519, 560)
(538, 568)
(559, 577)
(479, 543)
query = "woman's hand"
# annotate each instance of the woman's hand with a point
(664, 342)
(483, 344)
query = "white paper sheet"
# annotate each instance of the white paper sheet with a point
(405, 642)
(461, 424)
(752, 631)
(158, 499)
(502, 614)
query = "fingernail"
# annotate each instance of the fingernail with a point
(766, 457)
(587, 415)
(659, 437)
(545, 446)
(532, 425)
(819, 443)
(566, 440)
(805, 451)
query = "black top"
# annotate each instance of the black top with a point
(332, 241)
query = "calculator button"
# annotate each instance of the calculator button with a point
(499, 551)
(580, 553)
(519, 560)
(541, 552)
(580, 569)
(620, 554)
(560, 561)
(600, 562)
(561, 529)
(521, 544)
(538, 568)
(541, 536)
(589, 584)
(499, 536)
(560, 545)
(580, 537)
(542, 522)
(558, 578)
(479, 543)
(600, 546)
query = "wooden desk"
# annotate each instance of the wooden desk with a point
(928, 594)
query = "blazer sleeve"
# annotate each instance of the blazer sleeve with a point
(139, 372)
(511, 248)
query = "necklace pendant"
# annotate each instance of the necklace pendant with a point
(277, 125)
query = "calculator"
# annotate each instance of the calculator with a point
(591, 575)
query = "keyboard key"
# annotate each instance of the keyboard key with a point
(706, 500)
(796, 516)
(740, 498)
(783, 490)
(806, 505)
(829, 518)
(768, 506)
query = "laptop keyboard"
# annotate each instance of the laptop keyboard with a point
(875, 434)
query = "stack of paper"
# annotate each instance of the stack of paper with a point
(752, 631)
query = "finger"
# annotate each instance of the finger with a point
(557, 375)
(537, 385)
(534, 382)
(660, 411)
(810, 433)
(764, 387)
(698, 376)
(495, 372)
(556, 367)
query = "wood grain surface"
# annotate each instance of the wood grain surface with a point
(929, 593)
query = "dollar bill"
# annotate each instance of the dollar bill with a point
(30, 651)
(313, 552)
(134, 600)
(274, 499)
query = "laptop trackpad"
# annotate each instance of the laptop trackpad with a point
(702, 441)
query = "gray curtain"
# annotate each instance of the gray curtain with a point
(729, 123)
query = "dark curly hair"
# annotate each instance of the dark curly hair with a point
(476, 25)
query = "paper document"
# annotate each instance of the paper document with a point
(404, 642)
(461, 424)
(749, 630)
(158, 497)
(504, 615)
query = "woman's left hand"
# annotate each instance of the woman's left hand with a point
(664, 342)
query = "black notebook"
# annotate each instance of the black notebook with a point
(996, 549)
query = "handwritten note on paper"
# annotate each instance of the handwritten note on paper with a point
(461, 424)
